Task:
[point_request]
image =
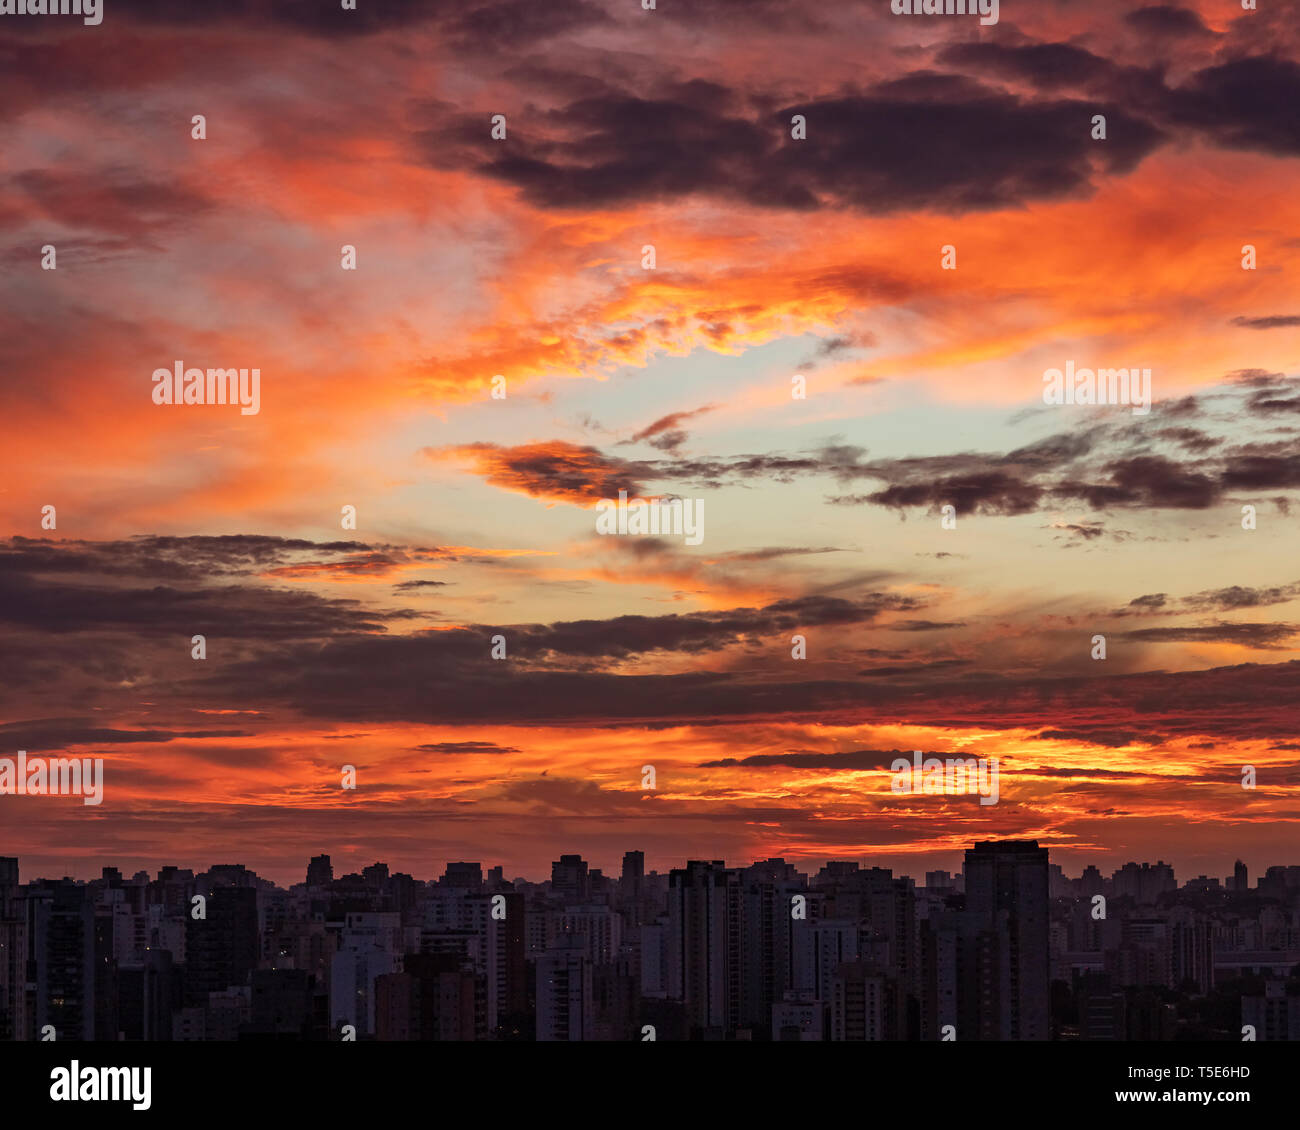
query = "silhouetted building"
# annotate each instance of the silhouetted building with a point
(704, 952)
(61, 963)
(1240, 877)
(705, 907)
(320, 872)
(148, 995)
(767, 932)
(1143, 883)
(221, 948)
(1006, 889)
(633, 873)
(463, 876)
(13, 954)
(570, 878)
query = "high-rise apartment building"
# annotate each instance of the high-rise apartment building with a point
(1006, 889)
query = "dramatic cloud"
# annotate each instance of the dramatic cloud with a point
(666, 433)
(985, 148)
(1244, 104)
(1168, 20)
(780, 254)
(1272, 322)
(1262, 636)
(556, 471)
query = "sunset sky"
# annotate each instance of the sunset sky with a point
(775, 258)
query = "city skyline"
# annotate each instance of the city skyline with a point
(1010, 949)
(812, 864)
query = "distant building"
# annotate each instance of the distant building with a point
(320, 873)
(1145, 882)
(463, 876)
(570, 878)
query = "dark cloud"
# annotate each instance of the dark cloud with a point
(1270, 393)
(1192, 439)
(558, 470)
(59, 733)
(836, 345)
(1238, 596)
(1145, 481)
(914, 669)
(1043, 64)
(666, 433)
(485, 25)
(769, 14)
(82, 641)
(853, 760)
(199, 557)
(38, 592)
(1242, 103)
(229, 612)
(1271, 322)
(625, 636)
(1259, 636)
(1248, 103)
(1257, 467)
(1257, 378)
(994, 492)
(489, 25)
(984, 148)
(1109, 465)
(1105, 774)
(466, 747)
(771, 553)
(1149, 603)
(1167, 20)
